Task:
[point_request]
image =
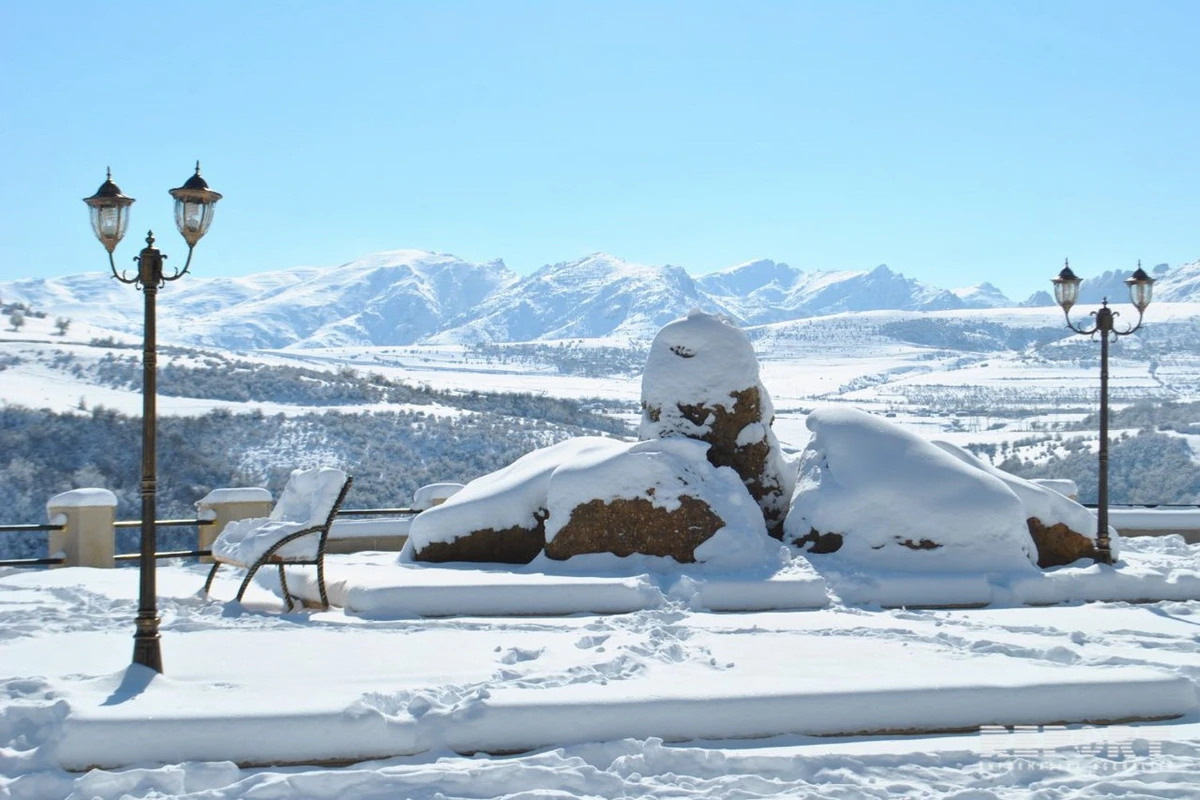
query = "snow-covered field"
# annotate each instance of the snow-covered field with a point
(656, 702)
(963, 397)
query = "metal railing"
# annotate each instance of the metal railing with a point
(31, 562)
(164, 523)
(134, 523)
(1144, 505)
(370, 512)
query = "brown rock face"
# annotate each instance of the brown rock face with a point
(750, 461)
(819, 543)
(632, 526)
(1057, 544)
(514, 545)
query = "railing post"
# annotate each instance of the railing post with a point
(223, 506)
(88, 538)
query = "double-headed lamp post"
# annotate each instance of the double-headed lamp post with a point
(1066, 292)
(194, 203)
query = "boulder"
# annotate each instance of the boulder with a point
(655, 498)
(627, 526)
(872, 495)
(501, 516)
(1057, 544)
(702, 382)
(515, 545)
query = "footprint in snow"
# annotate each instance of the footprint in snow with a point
(515, 655)
(591, 641)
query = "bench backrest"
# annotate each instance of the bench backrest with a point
(310, 496)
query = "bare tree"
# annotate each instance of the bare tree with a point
(62, 323)
(16, 319)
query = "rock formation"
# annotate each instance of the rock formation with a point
(701, 381)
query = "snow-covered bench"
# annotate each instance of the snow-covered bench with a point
(295, 533)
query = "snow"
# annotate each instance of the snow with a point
(879, 486)
(1064, 486)
(1156, 519)
(702, 358)
(611, 705)
(248, 494)
(432, 494)
(1048, 505)
(83, 498)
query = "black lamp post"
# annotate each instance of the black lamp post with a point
(1066, 292)
(194, 203)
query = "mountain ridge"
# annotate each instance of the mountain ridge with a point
(401, 297)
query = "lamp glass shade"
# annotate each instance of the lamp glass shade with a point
(109, 211)
(194, 203)
(1141, 288)
(1066, 288)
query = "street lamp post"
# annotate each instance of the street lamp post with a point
(194, 203)
(1066, 292)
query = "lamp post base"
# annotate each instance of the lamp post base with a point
(147, 649)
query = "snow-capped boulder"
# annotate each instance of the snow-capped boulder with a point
(658, 498)
(879, 497)
(501, 516)
(1063, 531)
(701, 381)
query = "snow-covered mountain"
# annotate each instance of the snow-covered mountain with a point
(396, 297)
(597, 296)
(985, 295)
(765, 291)
(408, 296)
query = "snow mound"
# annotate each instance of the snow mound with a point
(901, 503)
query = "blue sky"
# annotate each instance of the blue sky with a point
(954, 141)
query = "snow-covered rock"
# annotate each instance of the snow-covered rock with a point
(881, 498)
(1063, 531)
(647, 495)
(701, 381)
(658, 498)
(499, 517)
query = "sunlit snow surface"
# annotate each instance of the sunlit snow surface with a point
(65, 643)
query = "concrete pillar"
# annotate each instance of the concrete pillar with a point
(223, 506)
(89, 539)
